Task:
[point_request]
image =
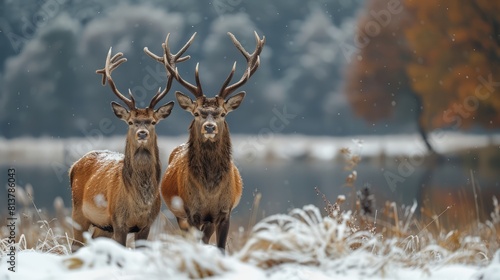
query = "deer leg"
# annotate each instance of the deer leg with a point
(208, 230)
(183, 223)
(222, 232)
(80, 225)
(101, 233)
(142, 235)
(120, 235)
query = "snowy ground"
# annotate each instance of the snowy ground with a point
(104, 259)
(298, 246)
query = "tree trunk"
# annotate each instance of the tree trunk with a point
(420, 123)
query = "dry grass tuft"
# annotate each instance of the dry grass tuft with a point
(37, 231)
(334, 241)
(303, 236)
(170, 256)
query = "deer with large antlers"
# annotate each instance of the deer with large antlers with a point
(118, 193)
(202, 185)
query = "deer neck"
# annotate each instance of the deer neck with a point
(142, 168)
(208, 161)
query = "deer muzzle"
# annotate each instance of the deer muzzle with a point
(209, 130)
(142, 135)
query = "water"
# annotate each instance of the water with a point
(289, 184)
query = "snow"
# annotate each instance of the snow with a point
(100, 201)
(292, 272)
(106, 156)
(105, 259)
(321, 148)
(177, 203)
(102, 258)
(298, 246)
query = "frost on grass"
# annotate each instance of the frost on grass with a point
(302, 243)
(303, 237)
(174, 257)
(299, 243)
(492, 271)
(335, 242)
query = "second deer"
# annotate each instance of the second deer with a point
(202, 185)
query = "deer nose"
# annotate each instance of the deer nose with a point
(142, 134)
(209, 128)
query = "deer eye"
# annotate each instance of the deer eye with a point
(130, 123)
(222, 115)
(153, 122)
(196, 114)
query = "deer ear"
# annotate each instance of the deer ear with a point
(184, 101)
(120, 111)
(234, 101)
(164, 111)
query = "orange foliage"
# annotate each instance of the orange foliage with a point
(454, 44)
(448, 53)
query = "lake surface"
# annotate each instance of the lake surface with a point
(285, 185)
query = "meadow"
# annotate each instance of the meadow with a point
(334, 240)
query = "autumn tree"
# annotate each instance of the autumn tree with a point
(454, 66)
(443, 54)
(376, 80)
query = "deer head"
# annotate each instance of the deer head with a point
(209, 112)
(141, 121)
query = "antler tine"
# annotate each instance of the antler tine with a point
(198, 83)
(169, 60)
(174, 72)
(111, 64)
(183, 49)
(176, 56)
(229, 77)
(114, 65)
(253, 62)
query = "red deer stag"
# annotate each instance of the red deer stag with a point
(201, 172)
(119, 193)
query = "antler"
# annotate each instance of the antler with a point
(253, 62)
(111, 64)
(168, 59)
